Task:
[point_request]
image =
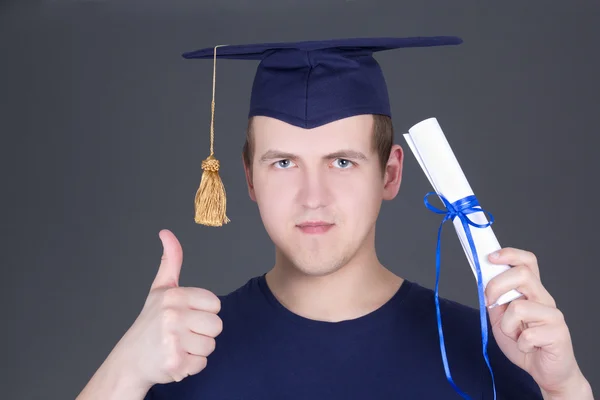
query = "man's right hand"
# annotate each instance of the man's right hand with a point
(176, 329)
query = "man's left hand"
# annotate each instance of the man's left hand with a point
(531, 331)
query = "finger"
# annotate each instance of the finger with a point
(198, 345)
(532, 339)
(203, 323)
(170, 263)
(516, 257)
(522, 279)
(201, 299)
(521, 314)
(191, 365)
(195, 364)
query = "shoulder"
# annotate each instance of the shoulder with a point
(245, 295)
(243, 305)
(453, 313)
(251, 285)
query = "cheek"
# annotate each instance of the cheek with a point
(274, 196)
(358, 197)
(359, 201)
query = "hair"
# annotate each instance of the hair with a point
(383, 139)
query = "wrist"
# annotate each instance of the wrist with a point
(126, 375)
(115, 379)
(577, 388)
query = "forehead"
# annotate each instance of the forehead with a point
(351, 132)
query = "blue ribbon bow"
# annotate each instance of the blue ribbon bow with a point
(461, 208)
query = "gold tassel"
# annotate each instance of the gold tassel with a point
(211, 202)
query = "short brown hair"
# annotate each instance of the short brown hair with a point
(383, 139)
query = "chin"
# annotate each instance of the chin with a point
(315, 257)
(312, 265)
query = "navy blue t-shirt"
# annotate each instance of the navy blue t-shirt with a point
(266, 352)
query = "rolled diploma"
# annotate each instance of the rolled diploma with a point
(433, 152)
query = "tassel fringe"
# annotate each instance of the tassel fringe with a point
(211, 201)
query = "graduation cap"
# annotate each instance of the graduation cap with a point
(306, 84)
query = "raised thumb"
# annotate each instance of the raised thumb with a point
(170, 263)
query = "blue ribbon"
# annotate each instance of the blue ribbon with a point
(461, 208)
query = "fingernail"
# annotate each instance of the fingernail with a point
(495, 255)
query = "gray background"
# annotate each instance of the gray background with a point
(104, 127)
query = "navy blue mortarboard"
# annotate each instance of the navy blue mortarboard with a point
(306, 84)
(312, 83)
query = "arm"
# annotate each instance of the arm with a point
(170, 339)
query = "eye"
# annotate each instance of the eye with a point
(283, 164)
(342, 163)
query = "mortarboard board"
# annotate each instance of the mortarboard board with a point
(306, 84)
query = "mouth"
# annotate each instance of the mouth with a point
(315, 227)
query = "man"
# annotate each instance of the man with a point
(328, 320)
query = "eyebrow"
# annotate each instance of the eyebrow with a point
(345, 154)
(276, 154)
(349, 154)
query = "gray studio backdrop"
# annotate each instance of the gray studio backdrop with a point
(104, 127)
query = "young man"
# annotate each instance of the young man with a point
(328, 320)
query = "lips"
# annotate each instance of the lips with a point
(315, 227)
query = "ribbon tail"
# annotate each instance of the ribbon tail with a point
(482, 309)
(439, 316)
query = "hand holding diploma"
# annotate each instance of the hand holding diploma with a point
(531, 331)
(525, 322)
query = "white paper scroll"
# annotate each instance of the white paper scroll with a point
(433, 152)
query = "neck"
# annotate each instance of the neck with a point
(359, 287)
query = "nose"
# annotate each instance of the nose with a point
(314, 190)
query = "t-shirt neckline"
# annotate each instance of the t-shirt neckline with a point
(384, 314)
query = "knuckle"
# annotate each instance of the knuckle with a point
(169, 318)
(504, 326)
(532, 257)
(559, 316)
(528, 335)
(174, 363)
(170, 344)
(517, 307)
(173, 297)
(566, 333)
(525, 273)
(508, 251)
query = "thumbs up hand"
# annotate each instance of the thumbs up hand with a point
(176, 329)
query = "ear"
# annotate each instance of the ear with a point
(393, 173)
(248, 174)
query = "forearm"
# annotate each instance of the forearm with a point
(580, 389)
(113, 381)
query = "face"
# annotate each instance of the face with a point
(319, 191)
